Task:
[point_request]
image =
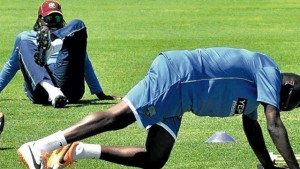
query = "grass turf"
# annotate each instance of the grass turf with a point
(124, 38)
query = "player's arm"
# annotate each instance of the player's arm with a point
(279, 135)
(11, 66)
(90, 77)
(255, 138)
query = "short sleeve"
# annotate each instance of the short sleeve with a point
(269, 81)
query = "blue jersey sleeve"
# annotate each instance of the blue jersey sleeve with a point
(268, 86)
(11, 67)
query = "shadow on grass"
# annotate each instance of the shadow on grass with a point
(5, 100)
(89, 102)
(6, 148)
(82, 103)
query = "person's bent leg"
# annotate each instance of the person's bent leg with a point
(115, 118)
(155, 154)
(68, 71)
(119, 116)
(33, 74)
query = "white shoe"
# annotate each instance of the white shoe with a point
(60, 101)
(31, 158)
(57, 98)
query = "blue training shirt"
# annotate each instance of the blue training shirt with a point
(215, 82)
(223, 81)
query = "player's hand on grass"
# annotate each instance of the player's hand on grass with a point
(102, 96)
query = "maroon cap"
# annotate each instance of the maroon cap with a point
(49, 7)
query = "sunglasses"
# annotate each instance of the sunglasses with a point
(289, 88)
(56, 18)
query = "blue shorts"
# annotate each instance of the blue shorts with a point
(156, 99)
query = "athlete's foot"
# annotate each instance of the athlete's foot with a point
(57, 98)
(44, 46)
(31, 158)
(60, 101)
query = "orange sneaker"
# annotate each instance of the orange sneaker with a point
(62, 157)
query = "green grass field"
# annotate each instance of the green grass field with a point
(124, 38)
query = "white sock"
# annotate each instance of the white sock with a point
(51, 142)
(51, 90)
(55, 46)
(87, 151)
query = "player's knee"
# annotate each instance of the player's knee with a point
(156, 162)
(77, 24)
(24, 44)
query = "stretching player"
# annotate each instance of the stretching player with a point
(53, 60)
(216, 82)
